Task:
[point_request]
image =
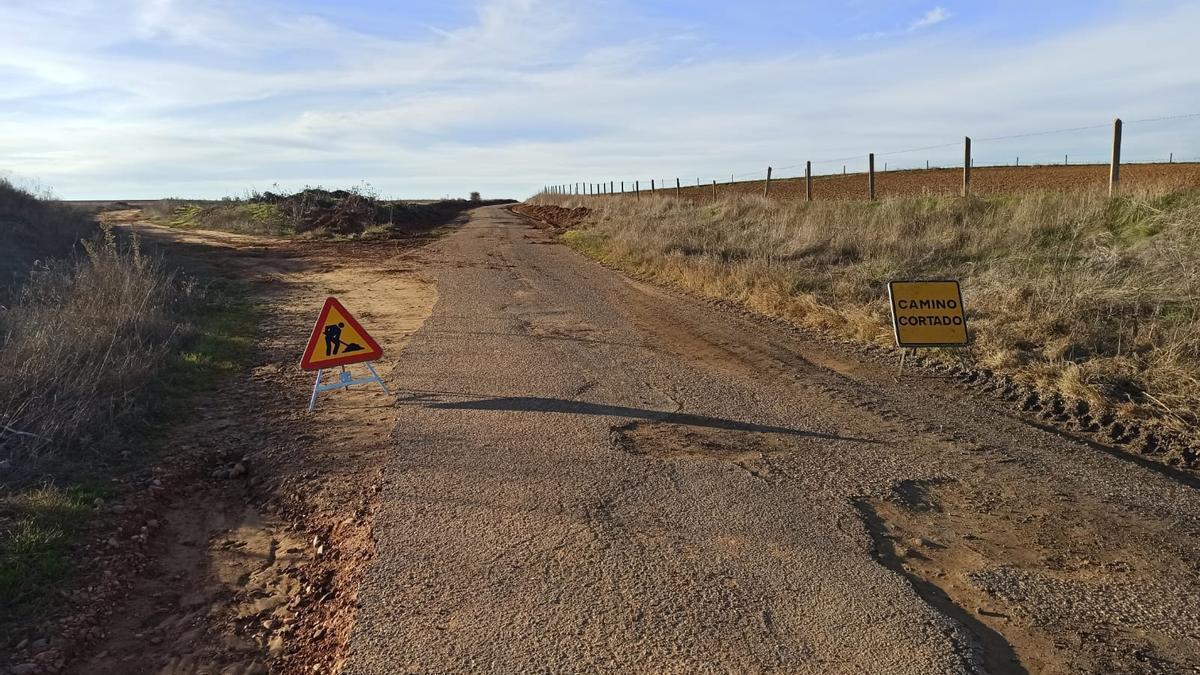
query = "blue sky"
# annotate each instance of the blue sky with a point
(150, 98)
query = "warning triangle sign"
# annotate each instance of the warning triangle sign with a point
(338, 339)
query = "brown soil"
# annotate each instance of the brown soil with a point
(243, 552)
(988, 180)
(997, 559)
(554, 216)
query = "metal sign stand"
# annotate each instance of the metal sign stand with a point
(345, 380)
(903, 356)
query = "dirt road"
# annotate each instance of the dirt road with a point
(581, 472)
(588, 473)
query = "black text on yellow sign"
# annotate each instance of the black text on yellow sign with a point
(928, 313)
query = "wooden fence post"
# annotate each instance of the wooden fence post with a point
(808, 181)
(651, 186)
(677, 192)
(966, 187)
(622, 187)
(1114, 169)
(610, 186)
(714, 189)
(637, 192)
(767, 184)
(871, 175)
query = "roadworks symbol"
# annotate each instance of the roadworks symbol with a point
(338, 339)
(928, 314)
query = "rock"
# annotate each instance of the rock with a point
(22, 644)
(152, 524)
(97, 502)
(113, 543)
(39, 645)
(24, 669)
(238, 470)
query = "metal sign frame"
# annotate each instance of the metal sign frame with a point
(345, 379)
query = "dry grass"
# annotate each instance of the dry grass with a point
(78, 346)
(1089, 297)
(34, 229)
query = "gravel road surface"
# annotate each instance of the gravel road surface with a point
(590, 473)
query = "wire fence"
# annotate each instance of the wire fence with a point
(1045, 157)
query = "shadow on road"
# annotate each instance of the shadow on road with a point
(556, 405)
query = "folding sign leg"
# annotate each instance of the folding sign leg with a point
(345, 380)
(312, 402)
(378, 379)
(903, 355)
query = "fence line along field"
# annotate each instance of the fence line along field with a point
(956, 176)
(985, 181)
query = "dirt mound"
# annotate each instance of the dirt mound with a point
(315, 211)
(555, 216)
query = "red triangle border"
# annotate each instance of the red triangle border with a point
(371, 353)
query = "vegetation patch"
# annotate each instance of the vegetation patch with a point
(35, 229)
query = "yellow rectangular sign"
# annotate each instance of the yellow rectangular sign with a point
(928, 313)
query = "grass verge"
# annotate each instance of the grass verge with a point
(101, 355)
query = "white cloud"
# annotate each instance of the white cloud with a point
(159, 98)
(933, 16)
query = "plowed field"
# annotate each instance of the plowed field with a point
(992, 180)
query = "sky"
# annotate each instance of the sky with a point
(128, 99)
